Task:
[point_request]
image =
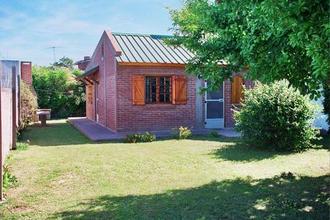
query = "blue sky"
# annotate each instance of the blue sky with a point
(29, 27)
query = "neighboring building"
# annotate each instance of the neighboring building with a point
(82, 64)
(136, 82)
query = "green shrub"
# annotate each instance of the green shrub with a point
(21, 146)
(29, 105)
(277, 117)
(58, 90)
(136, 138)
(9, 180)
(182, 132)
(214, 134)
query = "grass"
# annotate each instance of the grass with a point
(62, 175)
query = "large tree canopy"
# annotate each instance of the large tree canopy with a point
(272, 39)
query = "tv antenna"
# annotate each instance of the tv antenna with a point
(54, 51)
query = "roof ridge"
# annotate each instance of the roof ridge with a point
(141, 34)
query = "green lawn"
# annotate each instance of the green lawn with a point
(63, 175)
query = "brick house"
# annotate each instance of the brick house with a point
(136, 82)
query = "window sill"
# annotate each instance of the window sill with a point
(160, 106)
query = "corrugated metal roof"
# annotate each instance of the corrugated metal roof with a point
(144, 48)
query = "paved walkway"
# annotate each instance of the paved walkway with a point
(94, 131)
(97, 132)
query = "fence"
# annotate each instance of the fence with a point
(9, 110)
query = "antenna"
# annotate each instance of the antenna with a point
(54, 52)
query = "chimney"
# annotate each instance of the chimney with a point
(82, 64)
(26, 72)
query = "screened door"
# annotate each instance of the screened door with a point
(214, 108)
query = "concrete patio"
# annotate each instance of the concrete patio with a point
(97, 132)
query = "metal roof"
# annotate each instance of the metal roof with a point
(146, 48)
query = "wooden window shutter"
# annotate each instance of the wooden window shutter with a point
(138, 85)
(179, 90)
(237, 90)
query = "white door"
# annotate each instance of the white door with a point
(214, 108)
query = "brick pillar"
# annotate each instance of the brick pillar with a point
(26, 72)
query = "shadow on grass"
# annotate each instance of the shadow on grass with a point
(54, 134)
(284, 196)
(243, 153)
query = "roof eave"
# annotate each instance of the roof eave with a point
(182, 65)
(89, 72)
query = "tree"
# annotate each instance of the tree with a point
(64, 62)
(58, 89)
(274, 40)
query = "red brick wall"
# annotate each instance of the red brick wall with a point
(106, 89)
(151, 116)
(26, 72)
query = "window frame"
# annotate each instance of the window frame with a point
(158, 93)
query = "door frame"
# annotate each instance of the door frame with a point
(218, 121)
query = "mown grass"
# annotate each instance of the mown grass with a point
(62, 175)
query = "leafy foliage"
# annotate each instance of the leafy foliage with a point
(28, 103)
(64, 62)
(136, 138)
(274, 39)
(9, 180)
(182, 132)
(21, 146)
(58, 90)
(276, 117)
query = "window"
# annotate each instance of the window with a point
(158, 89)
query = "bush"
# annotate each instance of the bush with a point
(58, 90)
(214, 134)
(136, 138)
(29, 105)
(182, 132)
(276, 117)
(9, 180)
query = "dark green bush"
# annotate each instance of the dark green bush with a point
(29, 105)
(57, 89)
(136, 138)
(182, 132)
(276, 117)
